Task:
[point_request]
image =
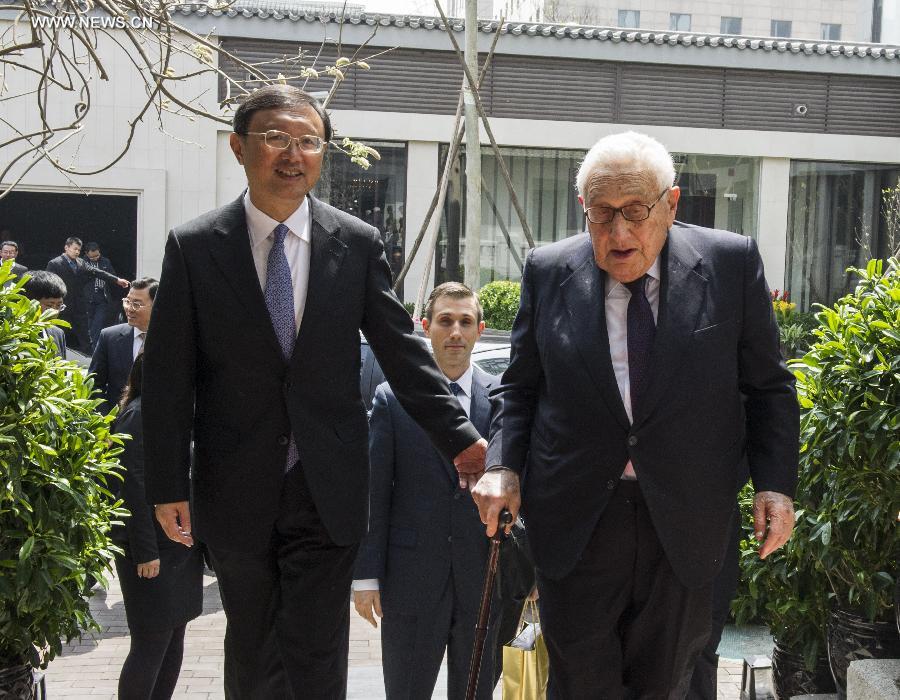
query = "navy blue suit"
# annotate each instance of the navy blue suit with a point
(111, 363)
(427, 547)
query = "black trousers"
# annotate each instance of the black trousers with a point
(621, 625)
(287, 608)
(703, 681)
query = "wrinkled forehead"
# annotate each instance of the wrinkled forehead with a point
(605, 185)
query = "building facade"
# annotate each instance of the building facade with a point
(789, 142)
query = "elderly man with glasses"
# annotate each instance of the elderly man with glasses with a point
(118, 345)
(253, 352)
(645, 369)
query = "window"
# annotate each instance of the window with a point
(544, 180)
(831, 32)
(781, 28)
(377, 195)
(730, 25)
(630, 19)
(718, 192)
(679, 22)
(835, 220)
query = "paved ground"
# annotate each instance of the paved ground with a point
(89, 668)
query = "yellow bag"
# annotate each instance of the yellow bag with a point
(525, 669)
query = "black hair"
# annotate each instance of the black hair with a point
(132, 388)
(148, 283)
(90, 245)
(73, 239)
(278, 97)
(44, 285)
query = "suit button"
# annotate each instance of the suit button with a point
(632, 440)
(283, 440)
(456, 495)
(450, 538)
(286, 386)
(611, 484)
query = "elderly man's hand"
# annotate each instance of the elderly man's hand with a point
(470, 463)
(175, 519)
(496, 490)
(776, 510)
(368, 604)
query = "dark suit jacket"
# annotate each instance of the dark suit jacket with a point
(421, 525)
(213, 369)
(18, 270)
(75, 281)
(58, 336)
(111, 363)
(563, 426)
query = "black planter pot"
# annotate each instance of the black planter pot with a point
(16, 682)
(790, 677)
(850, 638)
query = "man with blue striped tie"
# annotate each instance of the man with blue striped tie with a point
(253, 353)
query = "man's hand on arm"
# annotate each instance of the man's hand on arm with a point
(777, 511)
(175, 519)
(368, 605)
(123, 283)
(470, 463)
(496, 490)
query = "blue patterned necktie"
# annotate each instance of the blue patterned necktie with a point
(455, 388)
(279, 294)
(641, 331)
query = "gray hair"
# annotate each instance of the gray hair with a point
(627, 153)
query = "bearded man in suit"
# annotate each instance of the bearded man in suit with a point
(645, 364)
(253, 352)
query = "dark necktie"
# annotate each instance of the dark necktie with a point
(455, 388)
(279, 294)
(641, 331)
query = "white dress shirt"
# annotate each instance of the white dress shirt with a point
(137, 343)
(296, 247)
(617, 298)
(465, 400)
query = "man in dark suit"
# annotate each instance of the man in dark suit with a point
(74, 273)
(9, 250)
(96, 294)
(422, 561)
(48, 290)
(622, 411)
(118, 345)
(253, 351)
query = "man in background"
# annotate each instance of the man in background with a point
(422, 562)
(49, 291)
(118, 345)
(74, 273)
(96, 294)
(9, 250)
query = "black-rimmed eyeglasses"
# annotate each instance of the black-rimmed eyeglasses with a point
(308, 143)
(630, 212)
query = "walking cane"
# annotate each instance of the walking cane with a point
(484, 611)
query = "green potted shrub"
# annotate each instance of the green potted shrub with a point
(788, 593)
(500, 301)
(55, 511)
(849, 385)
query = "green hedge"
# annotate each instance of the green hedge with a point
(501, 303)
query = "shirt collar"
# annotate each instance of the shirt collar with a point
(614, 286)
(260, 225)
(465, 381)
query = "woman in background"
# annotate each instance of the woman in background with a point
(162, 581)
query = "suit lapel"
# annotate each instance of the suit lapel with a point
(231, 252)
(480, 408)
(326, 257)
(125, 346)
(682, 294)
(584, 292)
